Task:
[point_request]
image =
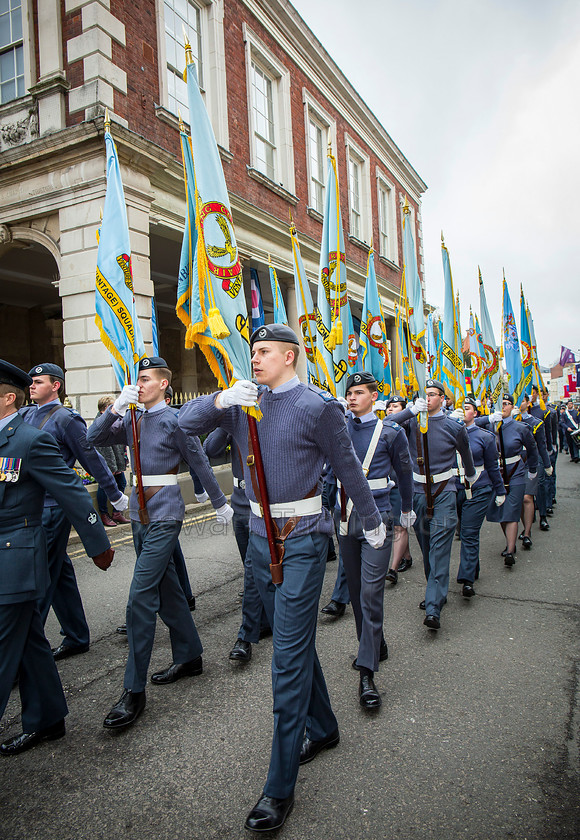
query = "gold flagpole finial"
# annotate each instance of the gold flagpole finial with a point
(329, 149)
(292, 227)
(181, 124)
(479, 272)
(269, 258)
(101, 214)
(107, 120)
(188, 52)
(442, 240)
(407, 209)
(503, 271)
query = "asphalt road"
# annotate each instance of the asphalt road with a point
(478, 735)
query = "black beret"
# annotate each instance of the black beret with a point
(11, 375)
(434, 383)
(363, 377)
(396, 399)
(508, 398)
(153, 362)
(47, 369)
(274, 332)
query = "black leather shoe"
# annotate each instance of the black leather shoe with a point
(550, 511)
(432, 622)
(334, 608)
(468, 591)
(64, 651)
(126, 710)
(522, 535)
(392, 576)
(27, 740)
(310, 749)
(509, 559)
(544, 526)
(505, 552)
(121, 630)
(554, 502)
(526, 543)
(241, 651)
(177, 671)
(405, 564)
(269, 813)
(368, 696)
(191, 603)
(422, 605)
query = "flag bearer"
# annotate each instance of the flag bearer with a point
(155, 586)
(301, 429)
(533, 495)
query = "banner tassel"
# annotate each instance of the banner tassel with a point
(217, 324)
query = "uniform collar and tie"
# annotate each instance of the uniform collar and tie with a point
(157, 407)
(366, 418)
(46, 406)
(6, 420)
(285, 386)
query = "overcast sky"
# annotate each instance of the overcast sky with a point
(483, 98)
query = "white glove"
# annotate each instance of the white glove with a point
(499, 500)
(495, 417)
(531, 476)
(471, 479)
(343, 402)
(128, 396)
(548, 470)
(122, 503)
(457, 414)
(242, 392)
(408, 518)
(203, 497)
(516, 412)
(224, 514)
(377, 536)
(418, 406)
(380, 405)
(555, 450)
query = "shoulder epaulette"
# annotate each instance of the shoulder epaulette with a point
(456, 420)
(392, 423)
(325, 395)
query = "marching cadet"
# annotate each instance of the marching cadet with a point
(551, 482)
(30, 466)
(301, 429)
(381, 447)
(434, 456)
(70, 432)
(513, 438)
(155, 586)
(571, 423)
(472, 509)
(532, 494)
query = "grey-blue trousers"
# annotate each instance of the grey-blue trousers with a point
(155, 588)
(435, 536)
(365, 569)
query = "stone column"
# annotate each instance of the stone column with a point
(52, 85)
(292, 312)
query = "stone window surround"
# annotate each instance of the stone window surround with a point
(257, 50)
(323, 118)
(214, 67)
(354, 151)
(28, 50)
(386, 185)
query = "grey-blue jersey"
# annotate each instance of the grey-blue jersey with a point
(215, 445)
(301, 429)
(162, 448)
(70, 432)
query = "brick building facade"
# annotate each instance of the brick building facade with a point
(275, 98)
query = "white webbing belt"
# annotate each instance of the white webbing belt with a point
(156, 480)
(284, 510)
(512, 459)
(380, 483)
(436, 477)
(365, 468)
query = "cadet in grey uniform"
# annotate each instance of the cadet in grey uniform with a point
(435, 528)
(30, 466)
(533, 496)
(381, 447)
(155, 586)
(301, 429)
(70, 432)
